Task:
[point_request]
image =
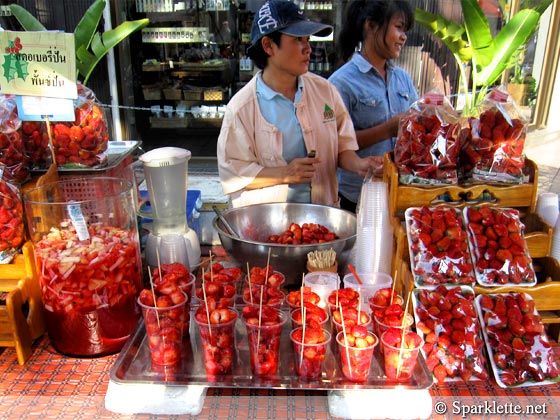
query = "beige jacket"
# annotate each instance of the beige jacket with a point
(247, 142)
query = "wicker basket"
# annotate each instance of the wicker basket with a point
(192, 93)
(214, 94)
(173, 94)
(152, 93)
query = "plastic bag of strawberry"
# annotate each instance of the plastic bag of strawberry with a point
(520, 352)
(12, 149)
(447, 320)
(11, 221)
(493, 149)
(498, 247)
(81, 143)
(439, 250)
(427, 147)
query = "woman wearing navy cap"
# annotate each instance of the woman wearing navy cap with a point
(284, 113)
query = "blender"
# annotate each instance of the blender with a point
(165, 172)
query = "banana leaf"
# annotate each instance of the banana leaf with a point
(86, 60)
(27, 21)
(478, 33)
(91, 46)
(472, 43)
(513, 35)
(86, 27)
(449, 32)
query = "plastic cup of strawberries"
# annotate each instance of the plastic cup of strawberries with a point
(349, 316)
(400, 353)
(394, 317)
(164, 318)
(310, 349)
(265, 295)
(356, 346)
(217, 333)
(264, 332)
(315, 316)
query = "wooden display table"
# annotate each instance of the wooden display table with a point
(523, 197)
(21, 318)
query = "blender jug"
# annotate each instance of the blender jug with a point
(165, 171)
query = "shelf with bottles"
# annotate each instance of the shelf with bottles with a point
(169, 6)
(217, 5)
(315, 5)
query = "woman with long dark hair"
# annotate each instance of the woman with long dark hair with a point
(374, 89)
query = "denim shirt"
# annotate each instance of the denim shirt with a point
(371, 101)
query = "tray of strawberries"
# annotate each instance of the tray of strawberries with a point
(438, 247)
(134, 364)
(116, 152)
(498, 247)
(447, 321)
(519, 349)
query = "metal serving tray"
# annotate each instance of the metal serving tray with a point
(133, 366)
(117, 151)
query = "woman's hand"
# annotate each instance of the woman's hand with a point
(300, 171)
(372, 164)
(350, 161)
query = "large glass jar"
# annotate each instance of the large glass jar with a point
(87, 253)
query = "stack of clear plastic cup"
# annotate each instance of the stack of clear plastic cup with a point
(374, 241)
(322, 283)
(555, 249)
(548, 207)
(371, 283)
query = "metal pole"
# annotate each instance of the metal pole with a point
(111, 69)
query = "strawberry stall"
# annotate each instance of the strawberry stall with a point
(471, 312)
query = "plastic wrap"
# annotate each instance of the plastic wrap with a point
(498, 247)
(427, 147)
(519, 350)
(439, 252)
(81, 143)
(11, 221)
(12, 149)
(448, 322)
(493, 149)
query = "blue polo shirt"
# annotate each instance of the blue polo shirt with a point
(281, 112)
(371, 100)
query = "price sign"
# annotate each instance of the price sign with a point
(38, 64)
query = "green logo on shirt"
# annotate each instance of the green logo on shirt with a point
(328, 114)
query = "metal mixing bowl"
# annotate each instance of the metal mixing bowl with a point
(254, 224)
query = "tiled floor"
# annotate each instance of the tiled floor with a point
(543, 147)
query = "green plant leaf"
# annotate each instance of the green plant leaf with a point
(513, 35)
(102, 43)
(87, 26)
(27, 21)
(449, 32)
(478, 33)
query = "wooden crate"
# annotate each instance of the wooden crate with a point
(151, 93)
(21, 318)
(546, 293)
(522, 196)
(174, 122)
(173, 94)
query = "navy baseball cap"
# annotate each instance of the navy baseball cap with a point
(284, 16)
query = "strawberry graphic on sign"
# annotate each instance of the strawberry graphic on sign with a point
(13, 66)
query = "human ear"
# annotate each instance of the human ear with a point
(266, 43)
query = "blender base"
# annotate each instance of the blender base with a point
(187, 252)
